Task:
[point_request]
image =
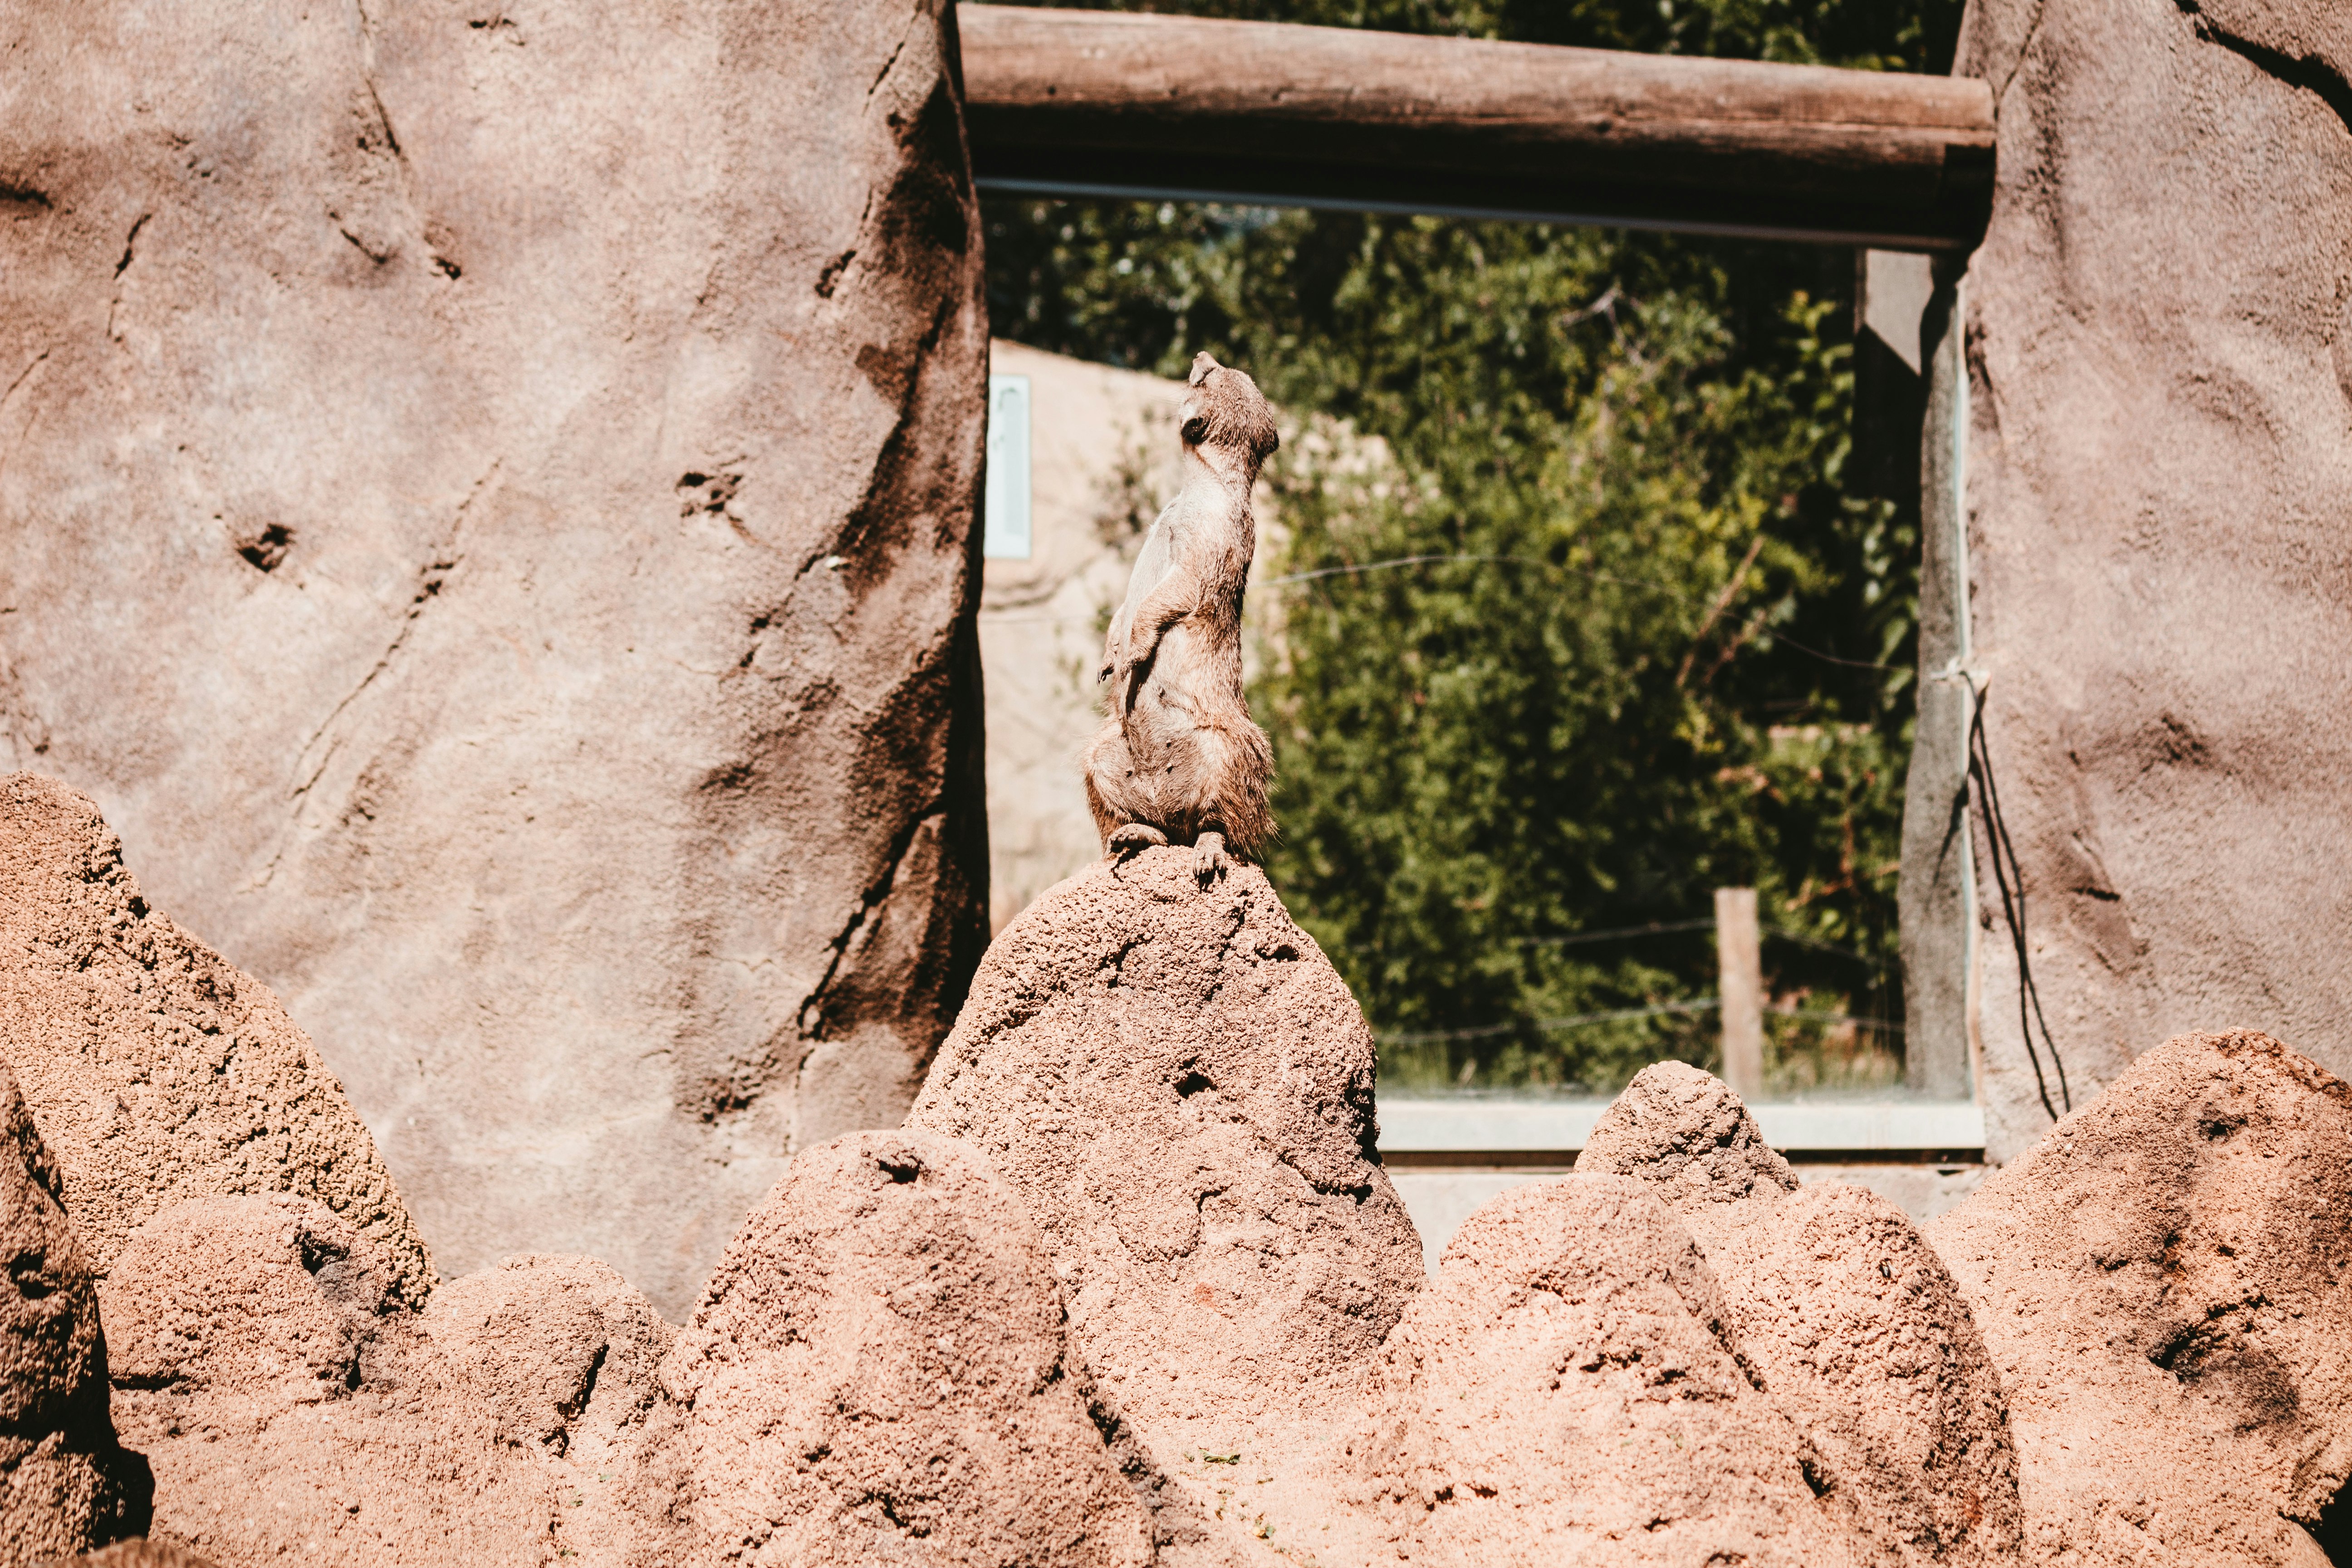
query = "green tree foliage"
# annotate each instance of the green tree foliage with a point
(1665, 642)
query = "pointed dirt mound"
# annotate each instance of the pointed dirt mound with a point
(879, 1373)
(1862, 1340)
(1846, 1315)
(291, 1408)
(1684, 1132)
(1180, 1086)
(156, 1072)
(1569, 1388)
(2163, 1282)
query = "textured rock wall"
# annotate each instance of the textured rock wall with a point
(2160, 368)
(485, 499)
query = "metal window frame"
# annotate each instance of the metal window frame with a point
(1058, 104)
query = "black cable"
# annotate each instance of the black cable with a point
(2006, 870)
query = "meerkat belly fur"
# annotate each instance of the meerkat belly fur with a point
(1178, 758)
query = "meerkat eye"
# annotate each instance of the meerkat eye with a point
(1196, 429)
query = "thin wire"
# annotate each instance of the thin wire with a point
(1519, 560)
(1814, 942)
(1672, 592)
(1619, 1014)
(1653, 928)
(1550, 1025)
(1657, 928)
(1889, 1024)
(1832, 658)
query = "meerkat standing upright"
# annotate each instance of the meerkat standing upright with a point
(1178, 756)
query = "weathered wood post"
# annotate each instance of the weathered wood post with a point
(1740, 955)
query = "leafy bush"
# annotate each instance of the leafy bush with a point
(1665, 643)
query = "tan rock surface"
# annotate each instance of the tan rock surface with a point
(879, 1372)
(290, 1407)
(156, 1071)
(135, 1552)
(1861, 1337)
(1845, 1315)
(1681, 1130)
(1177, 1082)
(64, 1483)
(2165, 1282)
(1569, 1388)
(2159, 440)
(487, 514)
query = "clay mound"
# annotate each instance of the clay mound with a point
(1684, 1132)
(878, 1373)
(289, 1405)
(136, 1553)
(1861, 1337)
(561, 1352)
(156, 1072)
(1569, 1389)
(1180, 1086)
(560, 1356)
(2162, 1283)
(1846, 1315)
(64, 1484)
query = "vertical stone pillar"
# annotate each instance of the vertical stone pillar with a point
(1935, 891)
(486, 499)
(2160, 449)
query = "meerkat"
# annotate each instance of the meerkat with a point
(1178, 757)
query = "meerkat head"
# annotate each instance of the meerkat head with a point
(1225, 413)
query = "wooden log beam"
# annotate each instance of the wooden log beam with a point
(1114, 103)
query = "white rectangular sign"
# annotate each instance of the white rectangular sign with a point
(1006, 505)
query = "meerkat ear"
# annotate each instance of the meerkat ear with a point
(1203, 364)
(1196, 429)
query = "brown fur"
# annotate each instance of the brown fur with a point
(1178, 758)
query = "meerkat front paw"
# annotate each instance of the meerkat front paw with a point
(1135, 838)
(1208, 861)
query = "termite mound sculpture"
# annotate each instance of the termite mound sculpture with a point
(1178, 758)
(1132, 1289)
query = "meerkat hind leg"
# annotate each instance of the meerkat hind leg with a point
(1208, 861)
(1133, 837)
